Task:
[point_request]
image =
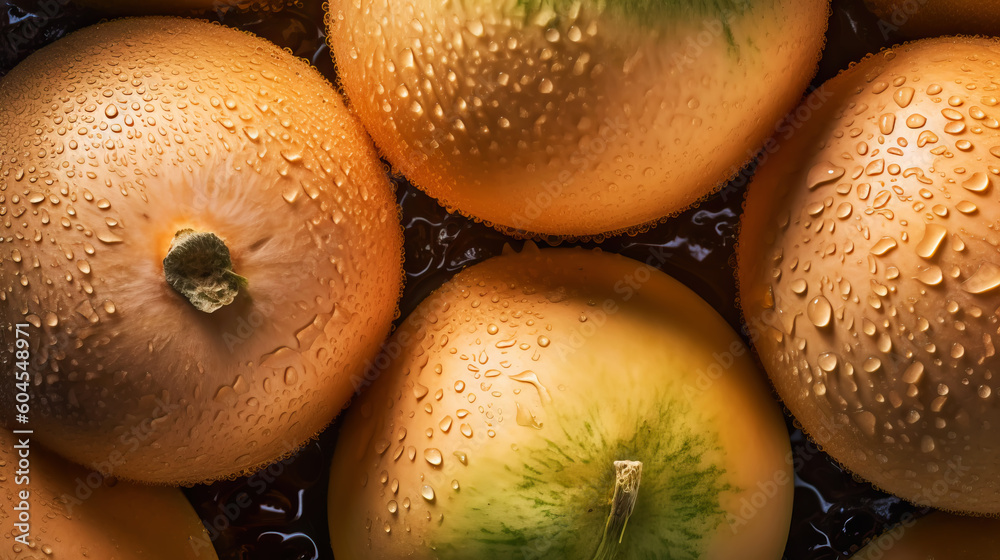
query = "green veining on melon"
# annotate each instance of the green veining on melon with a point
(709, 16)
(552, 498)
(643, 10)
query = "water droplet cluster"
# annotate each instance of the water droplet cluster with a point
(116, 138)
(571, 119)
(874, 297)
(511, 391)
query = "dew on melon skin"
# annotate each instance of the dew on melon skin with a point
(433, 456)
(820, 311)
(108, 228)
(447, 252)
(915, 219)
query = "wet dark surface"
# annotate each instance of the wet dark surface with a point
(280, 513)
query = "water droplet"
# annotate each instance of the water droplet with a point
(985, 279)
(530, 377)
(866, 420)
(844, 210)
(903, 97)
(978, 183)
(445, 424)
(916, 121)
(543, 341)
(291, 194)
(820, 311)
(799, 286)
(459, 386)
(883, 246)
(927, 444)
(954, 128)
(393, 507)
(966, 207)
(828, 362)
(526, 418)
(462, 457)
(926, 137)
(933, 235)
(433, 456)
(872, 364)
(822, 174)
(427, 493)
(913, 373)
(931, 275)
(466, 430)
(887, 123)
(420, 391)
(291, 156)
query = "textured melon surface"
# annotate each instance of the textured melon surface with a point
(514, 389)
(869, 265)
(119, 136)
(573, 118)
(73, 513)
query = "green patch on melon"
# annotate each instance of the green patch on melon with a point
(552, 497)
(644, 11)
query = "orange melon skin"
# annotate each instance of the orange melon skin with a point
(119, 136)
(868, 269)
(574, 122)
